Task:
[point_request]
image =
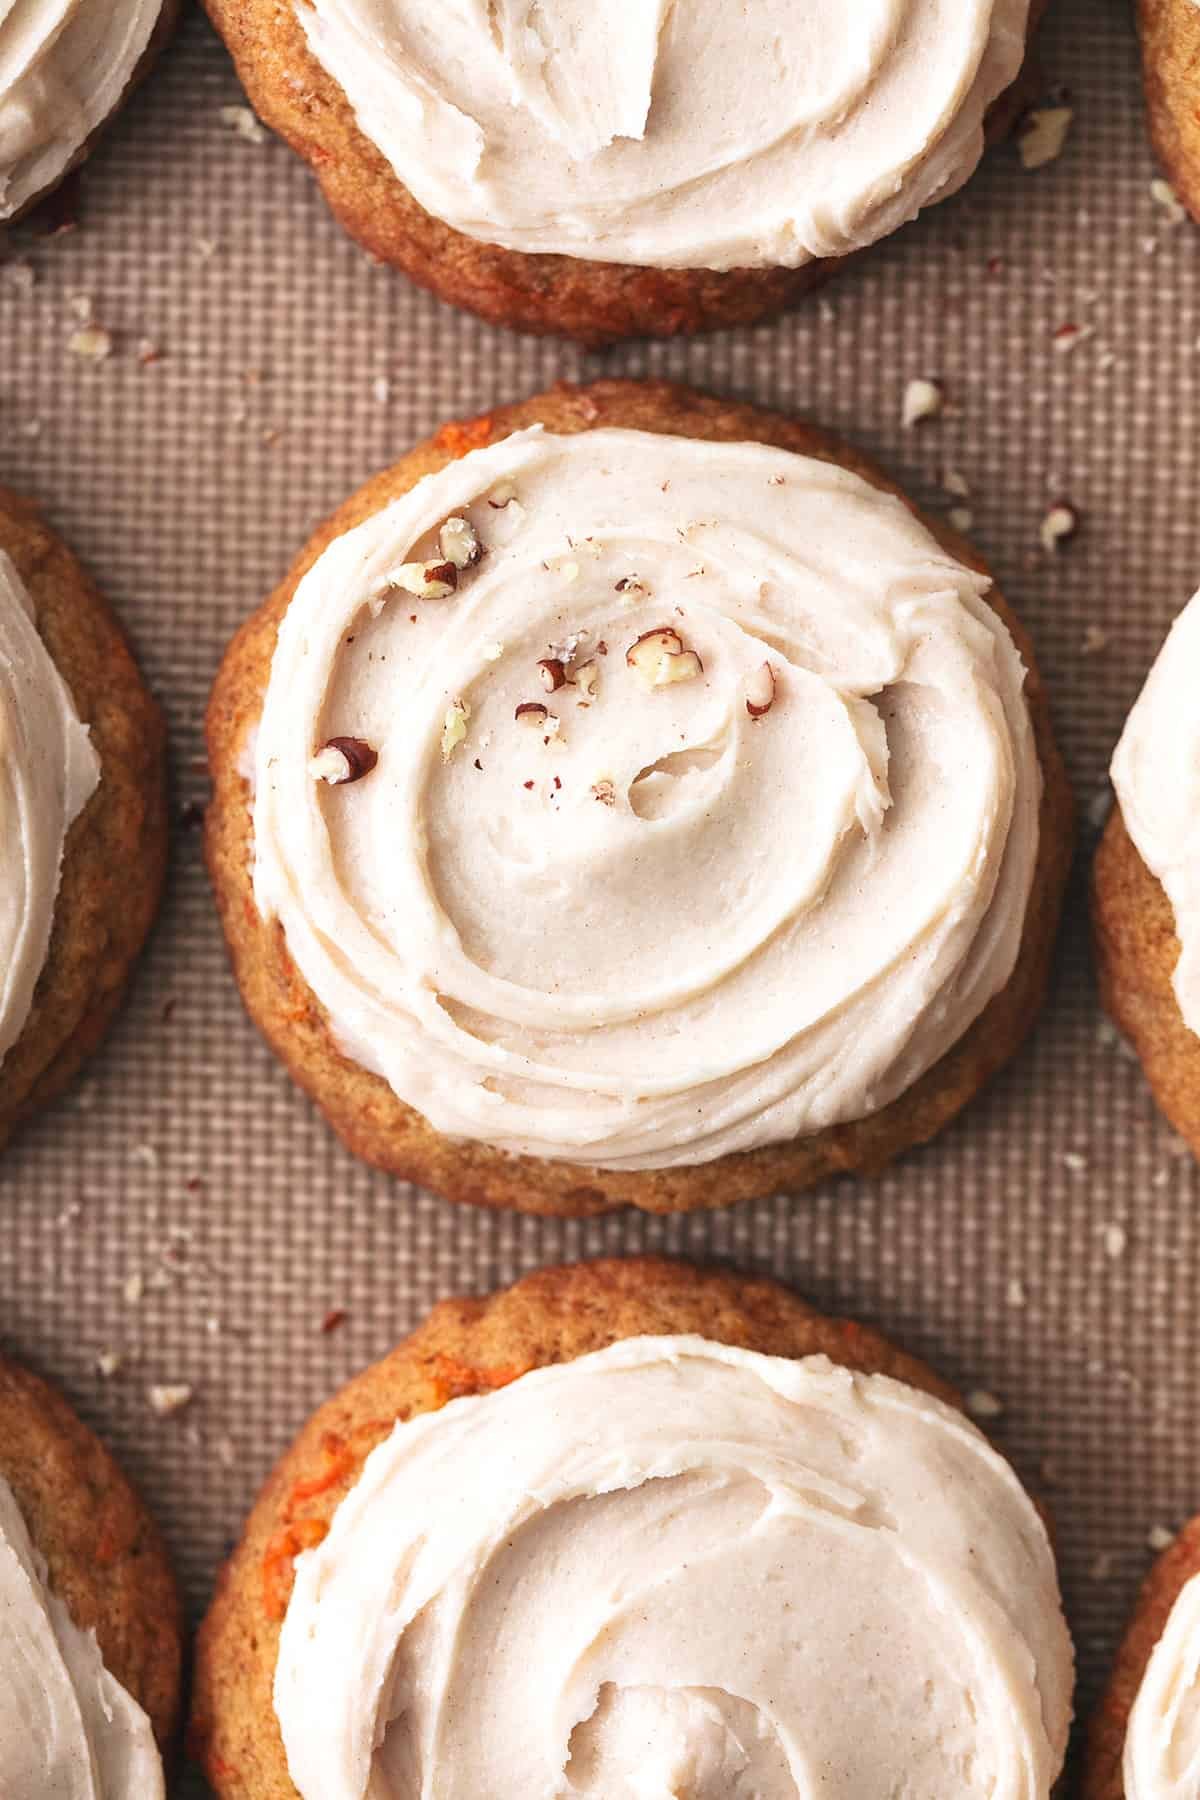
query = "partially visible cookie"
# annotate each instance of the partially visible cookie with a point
(88, 782)
(64, 71)
(1137, 953)
(102, 1554)
(1145, 896)
(1104, 1776)
(642, 114)
(484, 1347)
(1171, 60)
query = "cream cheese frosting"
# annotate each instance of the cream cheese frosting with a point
(71, 1732)
(64, 65)
(676, 1568)
(670, 134)
(1156, 775)
(649, 927)
(48, 771)
(1162, 1740)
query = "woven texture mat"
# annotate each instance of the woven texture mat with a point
(186, 1210)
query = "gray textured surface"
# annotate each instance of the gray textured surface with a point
(187, 1159)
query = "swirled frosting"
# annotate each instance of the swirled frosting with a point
(676, 1568)
(670, 134)
(648, 928)
(64, 65)
(1156, 774)
(48, 772)
(1162, 1740)
(71, 1732)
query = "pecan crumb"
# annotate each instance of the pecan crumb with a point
(454, 727)
(1059, 526)
(1043, 135)
(659, 658)
(168, 1397)
(343, 760)
(922, 400)
(459, 543)
(760, 691)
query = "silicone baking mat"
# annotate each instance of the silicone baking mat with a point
(184, 1217)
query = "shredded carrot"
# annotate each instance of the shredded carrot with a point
(278, 1572)
(339, 1460)
(472, 434)
(453, 1379)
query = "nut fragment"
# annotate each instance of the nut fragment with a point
(552, 673)
(760, 691)
(167, 1397)
(532, 712)
(342, 760)
(585, 678)
(631, 586)
(605, 792)
(459, 543)
(454, 728)
(658, 658)
(1164, 195)
(92, 342)
(1043, 135)
(1059, 525)
(428, 580)
(922, 400)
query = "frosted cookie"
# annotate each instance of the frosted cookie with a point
(90, 1622)
(628, 799)
(640, 168)
(82, 813)
(1171, 61)
(65, 68)
(1142, 1740)
(1146, 880)
(635, 1526)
